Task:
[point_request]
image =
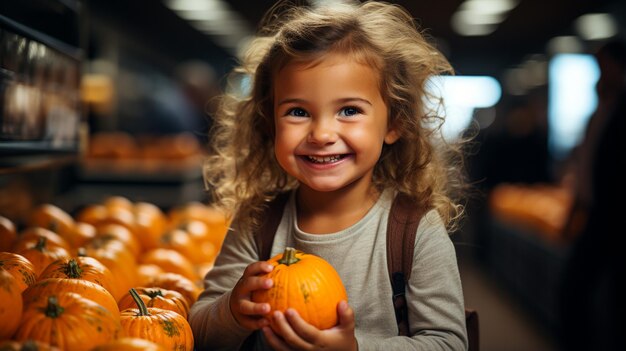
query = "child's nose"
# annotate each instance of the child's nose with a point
(322, 133)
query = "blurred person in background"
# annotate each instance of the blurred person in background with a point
(592, 299)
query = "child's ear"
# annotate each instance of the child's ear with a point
(392, 135)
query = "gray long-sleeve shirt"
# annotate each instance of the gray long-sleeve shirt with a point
(358, 253)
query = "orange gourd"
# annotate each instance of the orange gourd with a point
(20, 268)
(157, 297)
(69, 321)
(86, 268)
(112, 231)
(171, 261)
(306, 283)
(10, 305)
(145, 272)
(174, 281)
(51, 217)
(8, 234)
(163, 327)
(33, 234)
(87, 289)
(40, 254)
(150, 223)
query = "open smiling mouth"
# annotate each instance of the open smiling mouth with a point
(324, 159)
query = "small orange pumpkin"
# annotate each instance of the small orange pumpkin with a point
(171, 261)
(68, 321)
(8, 234)
(306, 283)
(163, 327)
(174, 281)
(20, 267)
(87, 289)
(10, 305)
(157, 297)
(51, 217)
(83, 267)
(40, 254)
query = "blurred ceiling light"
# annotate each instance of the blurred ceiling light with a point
(596, 26)
(481, 17)
(463, 27)
(214, 18)
(491, 7)
(564, 44)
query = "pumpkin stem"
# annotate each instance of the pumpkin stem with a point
(153, 293)
(289, 257)
(143, 310)
(41, 243)
(72, 269)
(53, 310)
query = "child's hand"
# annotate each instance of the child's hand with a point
(290, 332)
(248, 314)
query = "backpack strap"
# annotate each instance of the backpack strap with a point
(404, 218)
(264, 237)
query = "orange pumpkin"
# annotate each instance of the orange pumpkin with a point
(121, 233)
(8, 234)
(174, 281)
(216, 220)
(86, 268)
(28, 345)
(10, 305)
(163, 327)
(52, 218)
(145, 272)
(40, 254)
(129, 344)
(68, 321)
(118, 260)
(157, 297)
(150, 223)
(80, 234)
(181, 241)
(170, 261)
(306, 283)
(93, 214)
(32, 234)
(87, 289)
(20, 268)
(118, 201)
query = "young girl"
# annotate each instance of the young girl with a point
(336, 115)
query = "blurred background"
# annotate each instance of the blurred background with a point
(108, 97)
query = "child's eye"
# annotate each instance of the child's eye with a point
(349, 111)
(297, 112)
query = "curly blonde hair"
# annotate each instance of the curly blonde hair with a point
(242, 172)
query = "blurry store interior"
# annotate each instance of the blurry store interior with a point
(102, 98)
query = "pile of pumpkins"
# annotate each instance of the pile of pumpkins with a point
(117, 275)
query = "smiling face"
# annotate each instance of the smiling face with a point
(331, 122)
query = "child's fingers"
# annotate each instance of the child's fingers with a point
(346, 315)
(247, 307)
(257, 268)
(305, 330)
(282, 327)
(275, 342)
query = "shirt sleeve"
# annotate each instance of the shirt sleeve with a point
(434, 296)
(211, 320)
